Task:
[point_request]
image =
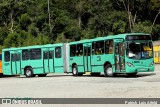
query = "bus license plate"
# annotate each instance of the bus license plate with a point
(142, 69)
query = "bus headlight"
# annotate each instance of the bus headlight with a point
(130, 64)
(152, 63)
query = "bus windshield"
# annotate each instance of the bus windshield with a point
(139, 50)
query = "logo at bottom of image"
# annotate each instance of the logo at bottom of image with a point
(20, 101)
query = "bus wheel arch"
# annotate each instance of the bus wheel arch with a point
(28, 71)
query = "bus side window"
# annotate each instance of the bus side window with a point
(99, 47)
(6, 56)
(73, 50)
(79, 51)
(58, 52)
(25, 54)
(35, 54)
(109, 46)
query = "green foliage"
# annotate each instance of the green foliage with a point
(13, 40)
(3, 35)
(143, 27)
(27, 22)
(61, 38)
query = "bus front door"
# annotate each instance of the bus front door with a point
(119, 56)
(87, 57)
(15, 63)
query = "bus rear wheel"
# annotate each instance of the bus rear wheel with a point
(108, 72)
(74, 70)
(29, 72)
(42, 75)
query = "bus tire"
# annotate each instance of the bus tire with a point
(74, 70)
(131, 74)
(42, 75)
(29, 72)
(95, 74)
(108, 71)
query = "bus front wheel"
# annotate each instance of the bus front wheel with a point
(29, 72)
(108, 72)
(75, 71)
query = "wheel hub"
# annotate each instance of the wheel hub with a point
(109, 71)
(74, 70)
(28, 73)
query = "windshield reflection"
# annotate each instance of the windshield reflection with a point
(138, 50)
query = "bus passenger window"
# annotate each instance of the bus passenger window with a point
(79, 51)
(35, 54)
(25, 54)
(73, 50)
(100, 47)
(109, 47)
(58, 52)
(6, 56)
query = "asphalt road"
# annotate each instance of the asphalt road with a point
(66, 86)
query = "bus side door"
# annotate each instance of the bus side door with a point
(51, 59)
(46, 60)
(6, 65)
(119, 51)
(16, 62)
(87, 57)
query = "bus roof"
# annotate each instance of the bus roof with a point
(31, 47)
(107, 37)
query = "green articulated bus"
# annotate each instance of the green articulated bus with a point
(34, 60)
(124, 53)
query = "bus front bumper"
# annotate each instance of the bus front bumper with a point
(139, 69)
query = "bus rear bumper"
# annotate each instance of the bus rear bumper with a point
(140, 69)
